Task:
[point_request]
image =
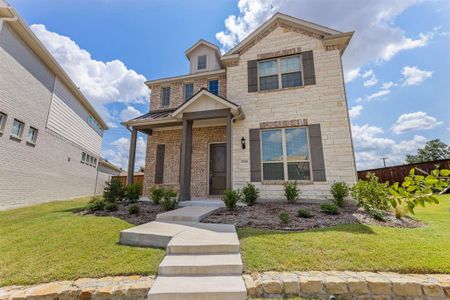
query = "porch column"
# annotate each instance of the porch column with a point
(229, 149)
(132, 156)
(186, 156)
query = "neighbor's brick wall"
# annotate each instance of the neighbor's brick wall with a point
(323, 103)
(177, 90)
(201, 137)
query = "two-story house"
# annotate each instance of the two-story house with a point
(270, 110)
(50, 135)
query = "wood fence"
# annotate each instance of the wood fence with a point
(397, 173)
(136, 179)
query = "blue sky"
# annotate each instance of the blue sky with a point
(397, 66)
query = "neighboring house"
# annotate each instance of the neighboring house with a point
(105, 171)
(271, 109)
(50, 135)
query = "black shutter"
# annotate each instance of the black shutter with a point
(255, 156)
(159, 166)
(309, 74)
(252, 74)
(317, 161)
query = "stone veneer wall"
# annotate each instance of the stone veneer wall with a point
(201, 138)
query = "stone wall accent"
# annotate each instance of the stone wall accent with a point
(120, 287)
(283, 123)
(348, 285)
(201, 138)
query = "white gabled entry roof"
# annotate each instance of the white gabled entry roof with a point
(204, 100)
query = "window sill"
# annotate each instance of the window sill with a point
(15, 138)
(32, 144)
(281, 182)
(282, 89)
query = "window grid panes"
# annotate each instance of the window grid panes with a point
(32, 135)
(2, 121)
(285, 154)
(188, 91)
(281, 72)
(214, 86)
(201, 62)
(165, 96)
(291, 71)
(17, 128)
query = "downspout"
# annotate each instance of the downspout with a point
(239, 116)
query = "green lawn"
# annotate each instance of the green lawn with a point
(49, 242)
(355, 247)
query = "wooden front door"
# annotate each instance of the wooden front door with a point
(217, 168)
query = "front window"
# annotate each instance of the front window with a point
(290, 71)
(281, 72)
(201, 62)
(268, 75)
(188, 91)
(214, 86)
(2, 121)
(285, 154)
(17, 128)
(165, 96)
(32, 135)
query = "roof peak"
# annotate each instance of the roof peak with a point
(204, 43)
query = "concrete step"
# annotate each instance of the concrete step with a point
(153, 234)
(187, 214)
(203, 202)
(210, 264)
(198, 288)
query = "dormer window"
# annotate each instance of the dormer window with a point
(201, 62)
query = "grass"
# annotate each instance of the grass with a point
(49, 242)
(355, 247)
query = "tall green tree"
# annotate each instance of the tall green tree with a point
(433, 150)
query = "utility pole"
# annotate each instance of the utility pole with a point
(384, 160)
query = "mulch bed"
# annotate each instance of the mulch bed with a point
(266, 215)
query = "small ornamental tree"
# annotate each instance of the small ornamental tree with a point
(114, 191)
(250, 194)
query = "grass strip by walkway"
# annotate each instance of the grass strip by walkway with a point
(355, 247)
(49, 242)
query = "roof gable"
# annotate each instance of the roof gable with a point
(199, 43)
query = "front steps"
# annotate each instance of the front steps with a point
(186, 214)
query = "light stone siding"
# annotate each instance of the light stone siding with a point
(201, 138)
(52, 169)
(323, 103)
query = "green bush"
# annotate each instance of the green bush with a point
(156, 193)
(96, 203)
(110, 206)
(250, 194)
(114, 191)
(230, 198)
(329, 208)
(303, 213)
(291, 191)
(371, 194)
(339, 190)
(133, 192)
(284, 217)
(378, 214)
(133, 209)
(169, 199)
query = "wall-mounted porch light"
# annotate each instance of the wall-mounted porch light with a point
(243, 142)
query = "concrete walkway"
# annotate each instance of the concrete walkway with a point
(202, 260)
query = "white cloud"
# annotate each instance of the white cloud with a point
(352, 74)
(378, 94)
(101, 82)
(368, 137)
(355, 111)
(129, 113)
(405, 44)
(414, 76)
(371, 81)
(414, 121)
(118, 153)
(388, 85)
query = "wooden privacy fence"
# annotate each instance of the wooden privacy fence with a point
(397, 173)
(136, 179)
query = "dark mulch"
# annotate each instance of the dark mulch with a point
(147, 213)
(266, 215)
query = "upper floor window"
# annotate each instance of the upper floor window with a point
(214, 86)
(3, 118)
(165, 96)
(188, 91)
(284, 72)
(201, 62)
(32, 135)
(94, 124)
(17, 128)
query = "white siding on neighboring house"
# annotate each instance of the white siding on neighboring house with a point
(69, 118)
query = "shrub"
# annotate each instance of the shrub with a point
(284, 217)
(133, 192)
(96, 203)
(304, 213)
(339, 190)
(378, 214)
(329, 208)
(133, 209)
(250, 194)
(113, 191)
(231, 197)
(110, 206)
(371, 194)
(169, 199)
(156, 193)
(291, 191)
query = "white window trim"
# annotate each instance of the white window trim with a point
(18, 137)
(184, 90)
(4, 120)
(162, 95)
(206, 62)
(284, 160)
(31, 142)
(280, 81)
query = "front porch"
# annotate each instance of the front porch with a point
(189, 147)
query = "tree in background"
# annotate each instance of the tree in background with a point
(433, 150)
